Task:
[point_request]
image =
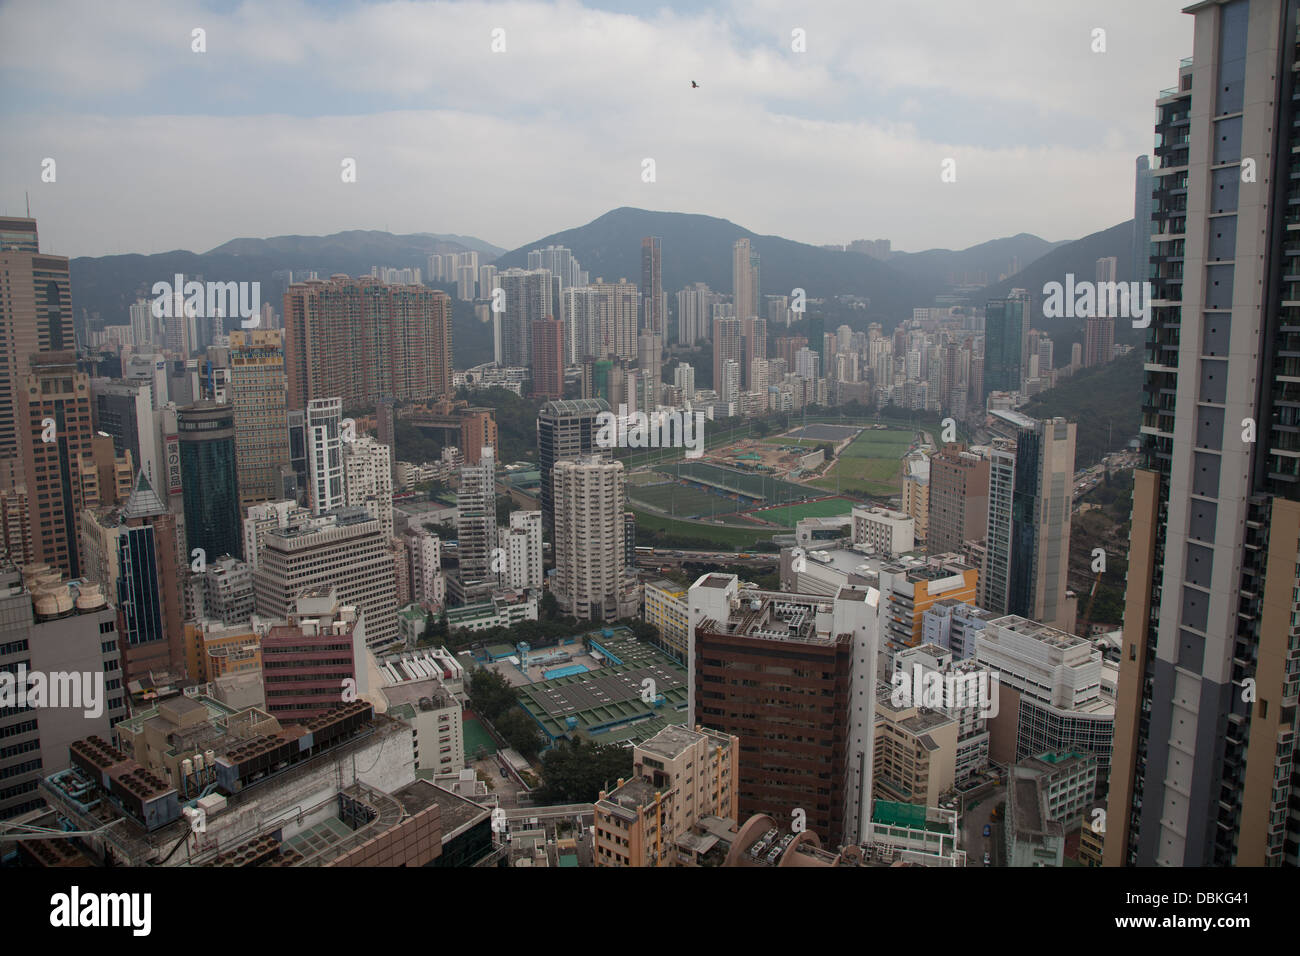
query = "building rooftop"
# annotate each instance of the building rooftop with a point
(1045, 633)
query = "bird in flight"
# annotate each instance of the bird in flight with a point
(694, 85)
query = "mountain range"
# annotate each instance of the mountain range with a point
(696, 248)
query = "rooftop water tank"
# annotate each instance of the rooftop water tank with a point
(90, 598)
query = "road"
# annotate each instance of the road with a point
(979, 806)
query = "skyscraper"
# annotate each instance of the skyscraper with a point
(1142, 219)
(649, 363)
(548, 358)
(590, 562)
(257, 396)
(327, 489)
(60, 477)
(368, 480)
(1203, 772)
(209, 475)
(526, 299)
(728, 346)
(125, 411)
(363, 341)
(959, 499)
(35, 316)
(476, 529)
(345, 550)
(684, 379)
(615, 327)
(652, 286)
(743, 277)
(51, 626)
(1041, 506)
(565, 430)
(1006, 337)
(794, 677)
(148, 586)
(522, 544)
(753, 331)
(695, 313)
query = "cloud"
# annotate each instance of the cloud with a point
(161, 148)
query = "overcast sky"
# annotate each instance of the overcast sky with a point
(158, 147)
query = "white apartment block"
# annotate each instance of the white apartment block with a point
(522, 547)
(368, 479)
(325, 454)
(428, 583)
(265, 517)
(591, 573)
(344, 550)
(888, 532)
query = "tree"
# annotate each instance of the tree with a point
(520, 731)
(550, 607)
(447, 532)
(490, 694)
(576, 771)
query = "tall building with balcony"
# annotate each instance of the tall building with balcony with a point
(522, 547)
(680, 776)
(476, 531)
(1203, 771)
(363, 340)
(590, 559)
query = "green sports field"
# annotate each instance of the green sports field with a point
(723, 536)
(684, 501)
(872, 464)
(789, 515)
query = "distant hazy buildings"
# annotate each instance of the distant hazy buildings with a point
(1006, 338)
(1142, 219)
(652, 286)
(548, 358)
(695, 306)
(744, 279)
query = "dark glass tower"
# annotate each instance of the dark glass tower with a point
(210, 479)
